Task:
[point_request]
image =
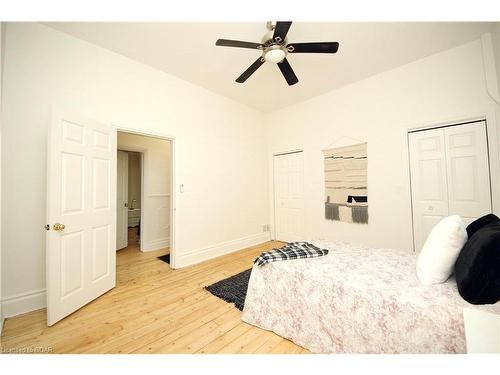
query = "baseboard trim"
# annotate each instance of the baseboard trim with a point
(156, 245)
(200, 255)
(36, 299)
(23, 303)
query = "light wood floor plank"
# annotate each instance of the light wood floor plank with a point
(286, 347)
(239, 345)
(154, 309)
(223, 340)
(268, 346)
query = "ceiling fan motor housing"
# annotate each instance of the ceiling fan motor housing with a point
(273, 49)
(268, 39)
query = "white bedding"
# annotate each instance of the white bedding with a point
(356, 300)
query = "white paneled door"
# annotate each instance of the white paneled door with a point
(428, 182)
(289, 197)
(468, 170)
(122, 200)
(81, 207)
(450, 175)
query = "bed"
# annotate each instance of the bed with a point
(356, 300)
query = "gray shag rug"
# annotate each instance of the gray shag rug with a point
(233, 289)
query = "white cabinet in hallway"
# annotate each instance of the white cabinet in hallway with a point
(134, 217)
(450, 175)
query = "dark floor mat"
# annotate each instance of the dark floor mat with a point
(165, 258)
(233, 289)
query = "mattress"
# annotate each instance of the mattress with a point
(356, 300)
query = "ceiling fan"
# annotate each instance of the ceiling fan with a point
(274, 49)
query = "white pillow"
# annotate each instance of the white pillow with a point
(441, 249)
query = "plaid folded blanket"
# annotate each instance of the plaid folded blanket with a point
(294, 250)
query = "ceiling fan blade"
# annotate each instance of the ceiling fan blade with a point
(281, 29)
(288, 73)
(237, 43)
(251, 70)
(315, 47)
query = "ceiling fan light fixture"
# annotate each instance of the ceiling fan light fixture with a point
(275, 48)
(274, 55)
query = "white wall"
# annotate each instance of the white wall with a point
(219, 151)
(155, 228)
(445, 87)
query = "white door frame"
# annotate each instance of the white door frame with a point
(273, 155)
(492, 144)
(143, 151)
(121, 207)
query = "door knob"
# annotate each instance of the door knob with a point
(58, 227)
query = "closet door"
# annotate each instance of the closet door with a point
(428, 182)
(450, 175)
(468, 172)
(289, 197)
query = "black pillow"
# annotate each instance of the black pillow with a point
(479, 223)
(477, 269)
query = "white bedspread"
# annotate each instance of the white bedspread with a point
(356, 300)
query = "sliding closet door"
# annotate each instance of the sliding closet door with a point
(428, 182)
(468, 170)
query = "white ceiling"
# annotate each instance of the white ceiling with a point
(188, 51)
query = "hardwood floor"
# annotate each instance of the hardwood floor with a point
(153, 309)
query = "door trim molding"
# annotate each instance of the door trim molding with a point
(446, 125)
(173, 205)
(126, 219)
(143, 153)
(287, 153)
